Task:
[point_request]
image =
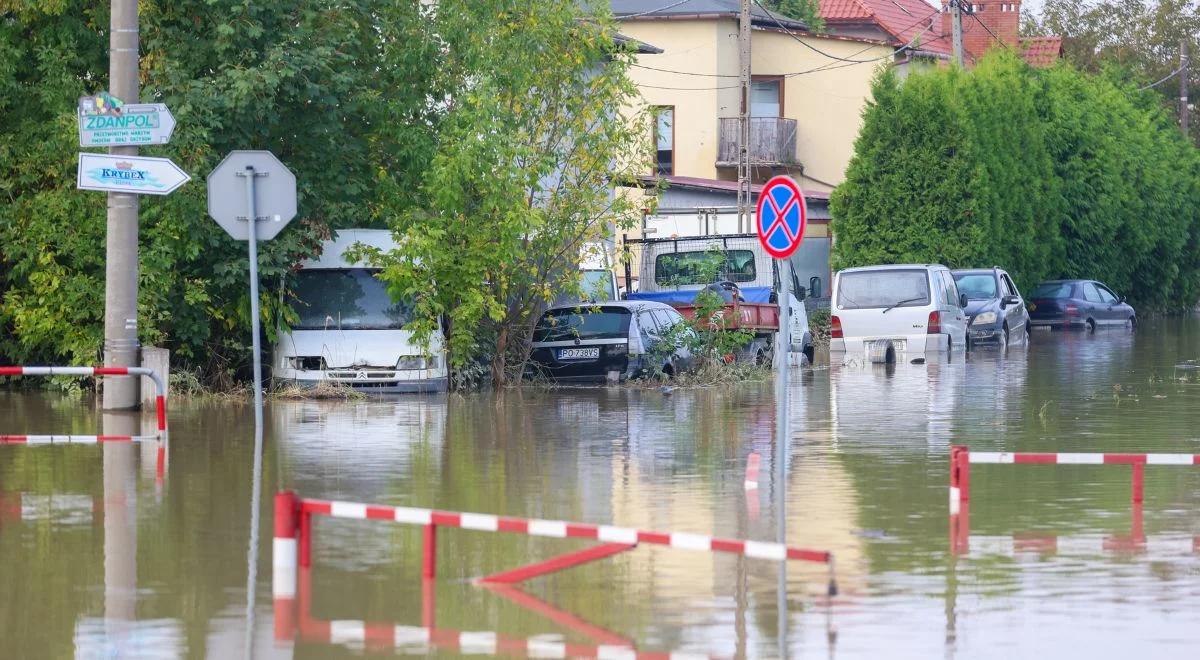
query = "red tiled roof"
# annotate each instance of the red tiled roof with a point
(832, 10)
(904, 20)
(1041, 51)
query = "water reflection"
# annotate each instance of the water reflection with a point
(866, 477)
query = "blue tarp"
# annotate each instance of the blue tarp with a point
(754, 294)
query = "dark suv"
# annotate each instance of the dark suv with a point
(1078, 304)
(612, 342)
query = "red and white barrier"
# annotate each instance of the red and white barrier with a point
(386, 636)
(1083, 544)
(549, 528)
(292, 550)
(961, 459)
(160, 400)
(71, 439)
(160, 407)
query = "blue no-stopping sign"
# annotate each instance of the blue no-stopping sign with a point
(781, 216)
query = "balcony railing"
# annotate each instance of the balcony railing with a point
(772, 142)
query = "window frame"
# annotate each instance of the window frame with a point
(768, 78)
(1099, 298)
(658, 111)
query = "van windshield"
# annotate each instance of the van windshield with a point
(869, 289)
(583, 323)
(346, 299)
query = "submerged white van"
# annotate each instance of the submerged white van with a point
(349, 331)
(896, 313)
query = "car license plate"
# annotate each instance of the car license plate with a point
(579, 353)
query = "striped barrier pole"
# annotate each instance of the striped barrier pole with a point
(961, 459)
(283, 562)
(160, 406)
(294, 534)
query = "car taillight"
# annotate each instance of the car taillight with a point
(934, 326)
(1072, 310)
(835, 328)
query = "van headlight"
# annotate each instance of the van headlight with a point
(306, 363)
(984, 318)
(410, 362)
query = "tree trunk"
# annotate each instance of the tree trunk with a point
(499, 358)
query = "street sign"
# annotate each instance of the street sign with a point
(129, 174)
(781, 217)
(132, 125)
(274, 192)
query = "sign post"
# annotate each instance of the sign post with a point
(780, 220)
(267, 189)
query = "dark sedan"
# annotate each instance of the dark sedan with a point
(1078, 304)
(994, 306)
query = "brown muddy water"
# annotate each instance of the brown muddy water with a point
(99, 561)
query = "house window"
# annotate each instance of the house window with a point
(664, 140)
(766, 97)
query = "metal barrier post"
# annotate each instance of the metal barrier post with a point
(284, 551)
(429, 566)
(1138, 482)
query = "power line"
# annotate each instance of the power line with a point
(1163, 80)
(989, 31)
(652, 11)
(820, 52)
(824, 67)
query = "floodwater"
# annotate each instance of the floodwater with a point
(98, 559)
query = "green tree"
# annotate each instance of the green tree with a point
(808, 11)
(339, 91)
(522, 181)
(1048, 172)
(1140, 39)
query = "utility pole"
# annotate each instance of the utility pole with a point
(1183, 88)
(121, 255)
(956, 38)
(743, 200)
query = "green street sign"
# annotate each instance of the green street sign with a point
(127, 125)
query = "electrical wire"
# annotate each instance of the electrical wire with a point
(652, 11)
(989, 31)
(1162, 80)
(825, 67)
(814, 49)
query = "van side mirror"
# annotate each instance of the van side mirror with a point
(1009, 300)
(962, 300)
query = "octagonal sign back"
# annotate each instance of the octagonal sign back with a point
(274, 194)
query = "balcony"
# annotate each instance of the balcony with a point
(772, 142)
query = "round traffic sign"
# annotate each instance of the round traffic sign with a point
(781, 217)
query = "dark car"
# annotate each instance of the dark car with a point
(994, 308)
(1078, 304)
(609, 342)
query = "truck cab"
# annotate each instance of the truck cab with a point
(675, 270)
(349, 331)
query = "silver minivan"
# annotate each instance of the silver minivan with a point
(910, 312)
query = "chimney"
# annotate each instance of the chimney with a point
(1003, 18)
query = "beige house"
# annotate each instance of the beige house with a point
(808, 94)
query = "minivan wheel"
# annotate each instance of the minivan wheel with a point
(1132, 323)
(668, 371)
(811, 354)
(1091, 326)
(1004, 338)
